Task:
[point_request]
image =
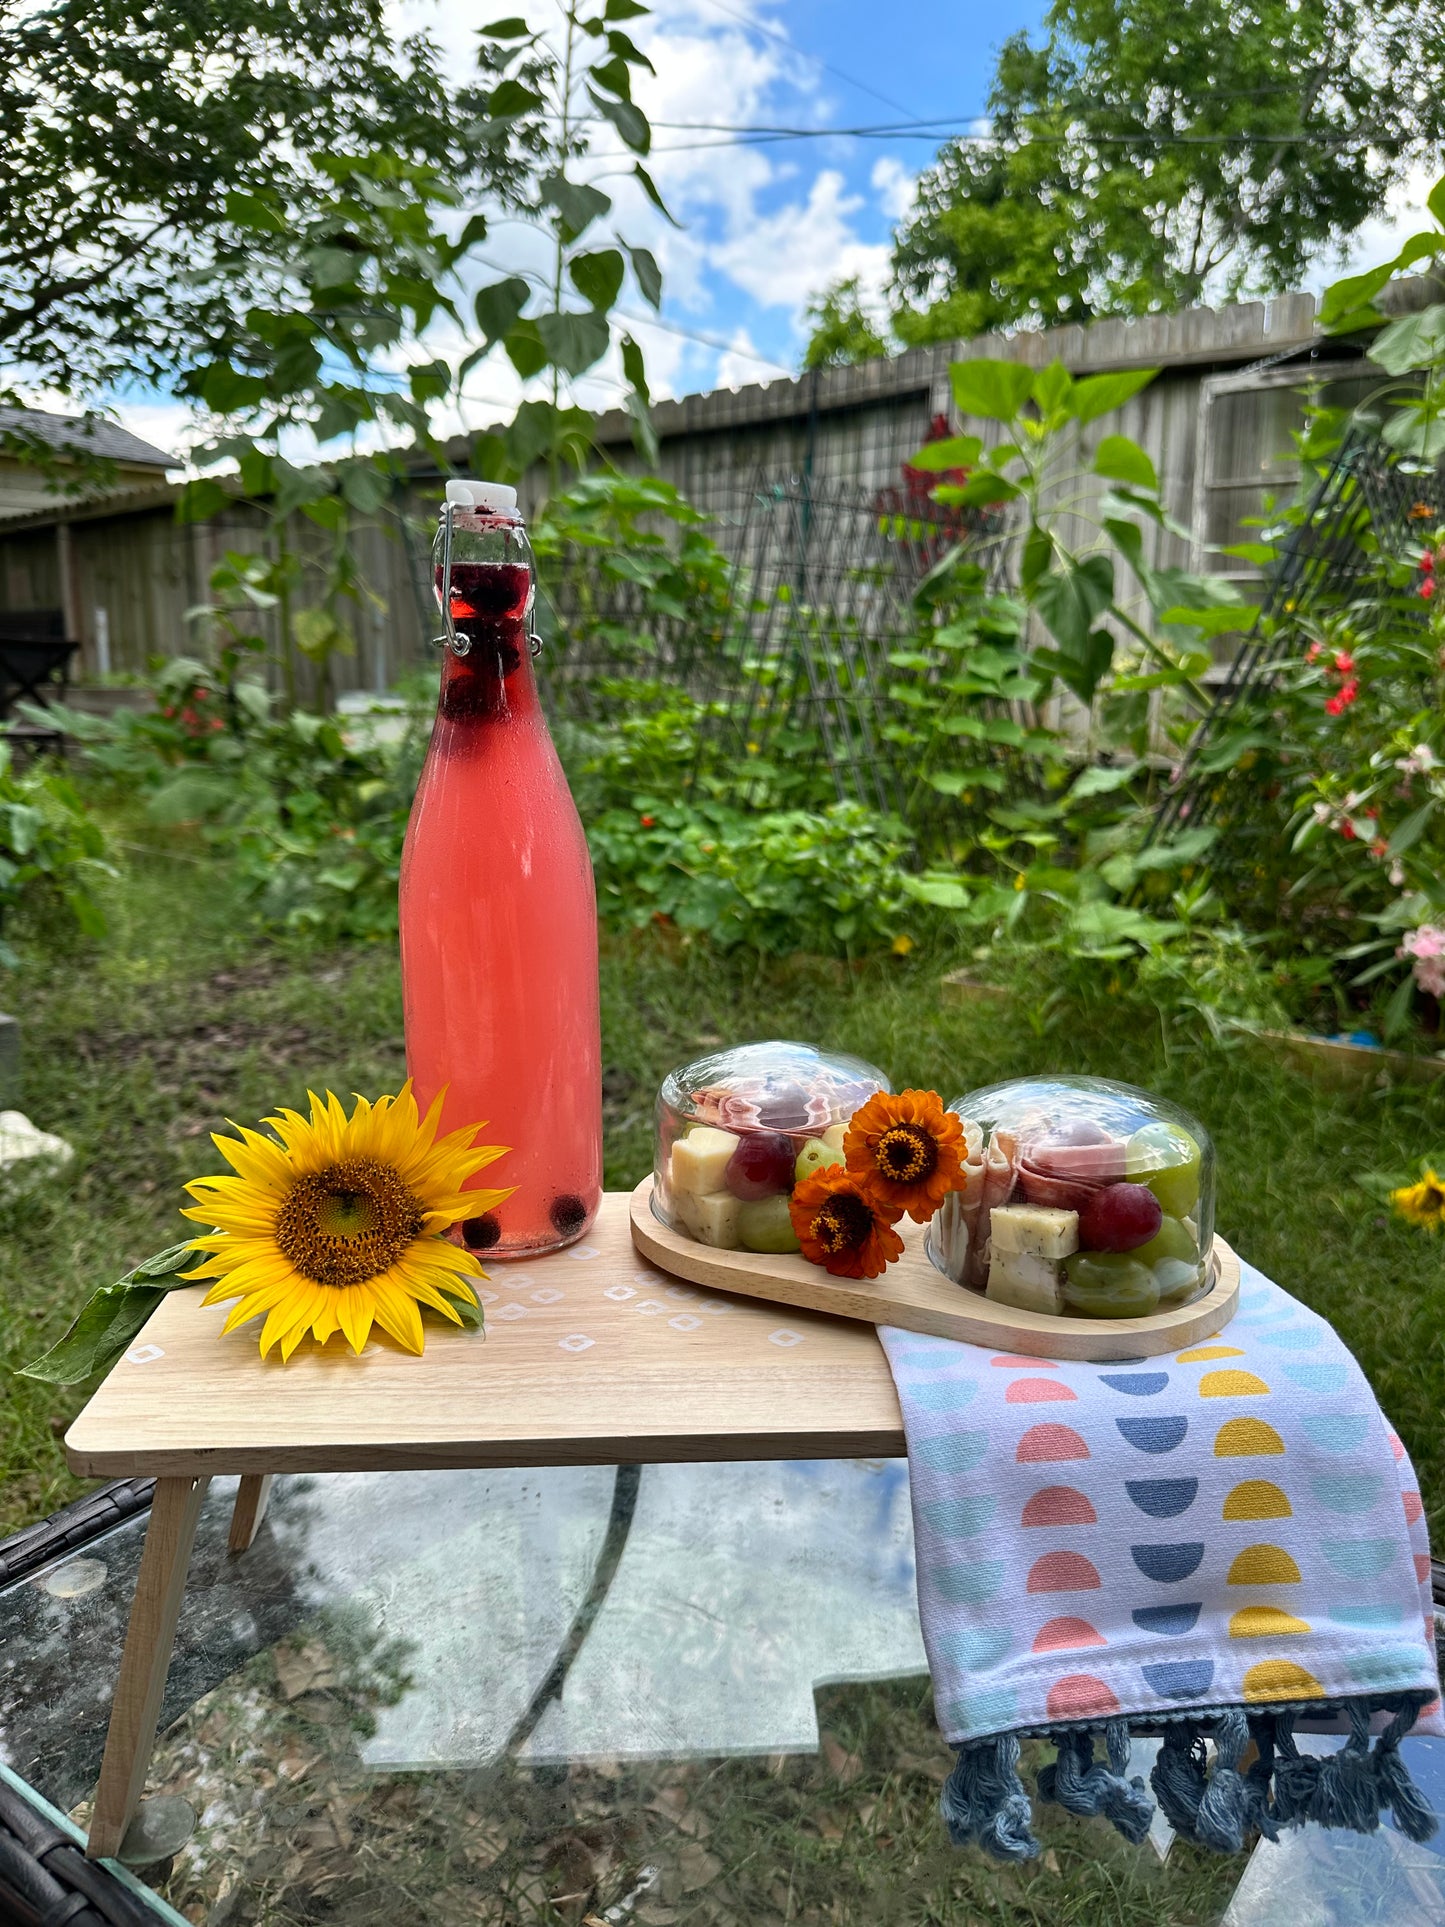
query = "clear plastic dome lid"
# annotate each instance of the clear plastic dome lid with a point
(737, 1130)
(1082, 1197)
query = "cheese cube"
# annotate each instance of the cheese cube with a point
(1033, 1231)
(681, 1209)
(716, 1217)
(1026, 1282)
(700, 1160)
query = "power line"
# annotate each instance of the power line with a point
(776, 33)
(708, 341)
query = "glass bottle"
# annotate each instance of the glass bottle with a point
(498, 906)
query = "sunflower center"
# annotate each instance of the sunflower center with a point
(906, 1153)
(843, 1222)
(348, 1223)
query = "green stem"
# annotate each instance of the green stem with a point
(1161, 656)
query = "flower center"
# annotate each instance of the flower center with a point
(843, 1223)
(906, 1153)
(348, 1223)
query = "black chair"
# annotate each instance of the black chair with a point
(35, 656)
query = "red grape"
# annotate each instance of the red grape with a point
(762, 1166)
(1121, 1217)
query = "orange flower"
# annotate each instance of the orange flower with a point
(906, 1152)
(842, 1229)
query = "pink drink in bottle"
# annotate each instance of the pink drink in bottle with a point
(498, 909)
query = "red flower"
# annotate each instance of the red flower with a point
(1379, 847)
(1427, 561)
(647, 822)
(1427, 587)
(1347, 830)
(1335, 706)
(1344, 662)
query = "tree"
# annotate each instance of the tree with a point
(134, 141)
(843, 332)
(1149, 154)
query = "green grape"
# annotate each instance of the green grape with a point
(816, 1155)
(1173, 1239)
(1166, 1158)
(1109, 1284)
(765, 1225)
(1178, 1277)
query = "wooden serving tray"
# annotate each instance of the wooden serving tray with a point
(915, 1295)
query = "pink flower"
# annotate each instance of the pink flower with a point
(1314, 652)
(1426, 948)
(1427, 561)
(1427, 587)
(1420, 761)
(1344, 662)
(1379, 848)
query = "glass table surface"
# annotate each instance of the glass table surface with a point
(681, 1693)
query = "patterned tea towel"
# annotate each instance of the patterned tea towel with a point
(1219, 1542)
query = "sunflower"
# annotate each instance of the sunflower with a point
(1422, 1203)
(906, 1152)
(336, 1222)
(842, 1229)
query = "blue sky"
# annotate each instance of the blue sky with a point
(765, 225)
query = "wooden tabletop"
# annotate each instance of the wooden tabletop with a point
(593, 1356)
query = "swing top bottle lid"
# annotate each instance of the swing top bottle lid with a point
(496, 496)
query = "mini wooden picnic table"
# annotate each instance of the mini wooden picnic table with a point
(592, 1356)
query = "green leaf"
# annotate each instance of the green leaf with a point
(624, 10)
(649, 275)
(977, 492)
(629, 120)
(365, 487)
(1435, 201)
(1410, 831)
(634, 367)
(1052, 389)
(1347, 304)
(573, 341)
(532, 433)
(598, 277)
(1123, 460)
(227, 391)
(498, 306)
(471, 1314)
(510, 98)
(947, 893)
(649, 188)
(514, 27)
(992, 390)
(578, 204)
(955, 451)
(1097, 395)
(198, 501)
(110, 1318)
(524, 349)
(1070, 595)
(613, 75)
(1098, 780)
(1414, 341)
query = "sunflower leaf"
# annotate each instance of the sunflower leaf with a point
(470, 1313)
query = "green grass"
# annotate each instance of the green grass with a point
(184, 1017)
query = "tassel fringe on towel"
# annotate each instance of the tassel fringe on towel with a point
(984, 1803)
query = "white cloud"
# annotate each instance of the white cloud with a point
(893, 185)
(788, 255)
(739, 365)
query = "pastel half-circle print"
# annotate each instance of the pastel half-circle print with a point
(1166, 1565)
(1058, 1635)
(971, 1584)
(1336, 1432)
(1063, 1572)
(1080, 1697)
(1038, 1391)
(1157, 1435)
(1010, 1362)
(950, 1452)
(1232, 1384)
(1135, 1384)
(1317, 1378)
(1264, 1622)
(1359, 1558)
(1263, 1565)
(1280, 1679)
(973, 1649)
(1172, 1621)
(1413, 1507)
(960, 1516)
(1257, 1499)
(1180, 1679)
(1201, 1354)
(1247, 1438)
(1162, 1498)
(1293, 1338)
(1048, 1444)
(1346, 1492)
(1059, 1505)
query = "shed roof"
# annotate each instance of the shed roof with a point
(87, 434)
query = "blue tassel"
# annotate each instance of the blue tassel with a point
(1257, 1780)
(1347, 1792)
(1080, 1784)
(983, 1800)
(1224, 1812)
(1394, 1788)
(1296, 1776)
(1178, 1778)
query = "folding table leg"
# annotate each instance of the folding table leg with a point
(252, 1497)
(136, 1708)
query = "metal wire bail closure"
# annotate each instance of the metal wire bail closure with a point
(442, 553)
